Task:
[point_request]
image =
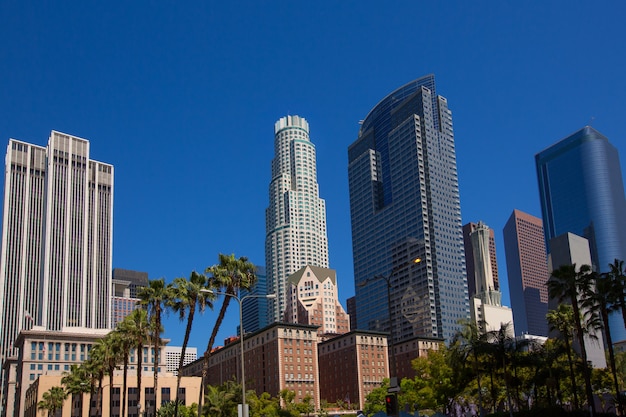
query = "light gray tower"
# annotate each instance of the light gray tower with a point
(295, 220)
(405, 206)
(57, 227)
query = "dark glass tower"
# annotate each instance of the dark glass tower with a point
(405, 206)
(582, 192)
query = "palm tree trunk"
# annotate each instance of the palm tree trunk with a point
(609, 342)
(139, 364)
(572, 374)
(207, 353)
(157, 343)
(192, 310)
(124, 384)
(583, 354)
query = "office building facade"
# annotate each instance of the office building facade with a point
(406, 217)
(57, 227)
(527, 271)
(255, 310)
(312, 298)
(468, 228)
(581, 191)
(124, 298)
(295, 220)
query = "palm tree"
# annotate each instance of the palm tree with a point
(562, 320)
(186, 296)
(618, 276)
(230, 275)
(96, 369)
(153, 298)
(52, 400)
(601, 299)
(138, 329)
(570, 285)
(470, 342)
(126, 343)
(110, 347)
(75, 385)
(501, 342)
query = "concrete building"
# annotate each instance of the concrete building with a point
(51, 353)
(57, 227)
(570, 249)
(582, 192)
(79, 405)
(279, 356)
(173, 354)
(527, 270)
(124, 299)
(486, 304)
(405, 206)
(295, 220)
(468, 228)
(352, 365)
(313, 299)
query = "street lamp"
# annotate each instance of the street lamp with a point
(244, 408)
(393, 380)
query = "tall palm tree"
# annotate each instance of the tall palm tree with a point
(96, 368)
(186, 297)
(229, 275)
(126, 343)
(602, 299)
(469, 343)
(75, 385)
(567, 284)
(562, 320)
(153, 298)
(138, 329)
(618, 276)
(501, 342)
(110, 347)
(52, 400)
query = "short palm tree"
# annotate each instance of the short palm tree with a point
(569, 284)
(126, 343)
(469, 344)
(229, 275)
(52, 400)
(186, 297)
(76, 385)
(618, 276)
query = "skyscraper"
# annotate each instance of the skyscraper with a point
(295, 220)
(468, 228)
(582, 192)
(406, 216)
(57, 226)
(255, 309)
(527, 270)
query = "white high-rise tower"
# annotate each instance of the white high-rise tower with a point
(57, 235)
(295, 220)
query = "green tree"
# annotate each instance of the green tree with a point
(153, 298)
(618, 276)
(52, 400)
(138, 330)
(170, 408)
(76, 385)
(562, 320)
(125, 331)
(219, 402)
(97, 370)
(262, 406)
(602, 299)
(568, 285)
(375, 400)
(228, 276)
(186, 297)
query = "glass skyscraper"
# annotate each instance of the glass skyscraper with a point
(406, 216)
(582, 192)
(295, 220)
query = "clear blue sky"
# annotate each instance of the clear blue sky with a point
(181, 97)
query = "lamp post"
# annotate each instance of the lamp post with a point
(393, 379)
(244, 411)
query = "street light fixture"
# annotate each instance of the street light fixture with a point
(244, 406)
(393, 380)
